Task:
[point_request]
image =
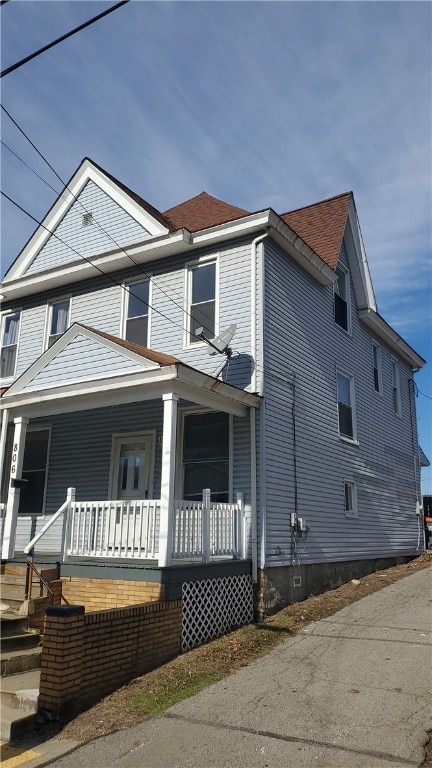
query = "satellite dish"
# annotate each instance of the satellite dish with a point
(220, 344)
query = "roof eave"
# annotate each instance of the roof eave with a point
(298, 249)
(378, 325)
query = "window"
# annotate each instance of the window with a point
(397, 407)
(9, 344)
(137, 314)
(206, 455)
(345, 396)
(34, 470)
(350, 498)
(376, 364)
(58, 320)
(202, 300)
(341, 299)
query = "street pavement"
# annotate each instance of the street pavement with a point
(350, 691)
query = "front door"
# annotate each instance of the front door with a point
(133, 469)
(132, 480)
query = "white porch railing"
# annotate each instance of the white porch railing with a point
(130, 529)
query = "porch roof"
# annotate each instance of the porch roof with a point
(87, 368)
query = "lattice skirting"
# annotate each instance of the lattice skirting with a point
(214, 606)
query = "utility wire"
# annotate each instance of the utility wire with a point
(20, 63)
(120, 247)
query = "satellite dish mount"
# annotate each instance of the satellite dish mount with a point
(219, 345)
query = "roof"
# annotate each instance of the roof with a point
(322, 225)
(202, 211)
(156, 357)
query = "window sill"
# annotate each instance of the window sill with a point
(346, 331)
(351, 515)
(349, 440)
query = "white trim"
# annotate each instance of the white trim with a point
(352, 513)
(117, 440)
(6, 380)
(124, 306)
(48, 317)
(377, 346)
(396, 386)
(255, 309)
(346, 438)
(385, 332)
(364, 292)
(188, 267)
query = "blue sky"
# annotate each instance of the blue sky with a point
(258, 103)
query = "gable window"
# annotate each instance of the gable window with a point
(350, 498)
(376, 364)
(58, 320)
(346, 412)
(341, 299)
(396, 394)
(206, 455)
(202, 300)
(137, 312)
(11, 325)
(34, 471)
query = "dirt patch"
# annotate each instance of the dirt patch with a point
(189, 673)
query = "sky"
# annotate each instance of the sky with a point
(261, 104)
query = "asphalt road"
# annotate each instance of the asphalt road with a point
(351, 691)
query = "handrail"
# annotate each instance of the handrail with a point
(70, 497)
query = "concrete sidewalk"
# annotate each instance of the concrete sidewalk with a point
(352, 690)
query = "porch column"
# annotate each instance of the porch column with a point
(167, 478)
(20, 430)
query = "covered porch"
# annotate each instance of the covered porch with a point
(121, 480)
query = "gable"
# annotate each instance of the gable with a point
(322, 225)
(110, 226)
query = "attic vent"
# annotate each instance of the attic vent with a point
(87, 219)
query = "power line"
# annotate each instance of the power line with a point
(20, 63)
(120, 247)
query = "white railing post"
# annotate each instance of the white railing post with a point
(241, 526)
(206, 496)
(67, 518)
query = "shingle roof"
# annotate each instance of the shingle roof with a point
(322, 225)
(202, 211)
(149, 354)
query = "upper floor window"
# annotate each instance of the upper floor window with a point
(341, 299)
(346, 406)
(201, 300)
(11, 325)
(58, 320)
(396, 394)
(376, 364)
(137, 312)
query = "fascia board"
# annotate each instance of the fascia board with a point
(299, 251)
(236, 228)
(74, 272)
(387, 334)
(197, 379)
(363, 284)
(86, 172)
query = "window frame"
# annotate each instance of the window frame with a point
(179, 479)
(396, 387)
(4, 316)
(350, 377)
(353, 512)
(376, 346)
(125, 307)
(189, 267)
(346, 275)
(48, 320)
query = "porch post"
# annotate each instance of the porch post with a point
(167, 479)
(20, 430)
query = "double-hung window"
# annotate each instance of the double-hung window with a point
(346, 406)
(9, 347)
(396, 393)
(341, 299)
(202, 301)
(376, 365)
(137, 312)
(58, 320)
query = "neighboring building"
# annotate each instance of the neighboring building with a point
(304, 430)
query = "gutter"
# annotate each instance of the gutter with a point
(374, 321)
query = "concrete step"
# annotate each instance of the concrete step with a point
(19, 642)
(14, 662)
(13, 624)
(19, 696)
(11, 604)
(15, 723)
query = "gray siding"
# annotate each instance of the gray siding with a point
(302, 339)
(112, 227)
(81, 360)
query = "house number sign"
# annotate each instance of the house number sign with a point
(14, 458)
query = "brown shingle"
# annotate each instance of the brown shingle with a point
(201, 212)
(322, 225)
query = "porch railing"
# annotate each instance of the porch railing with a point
(130, 529)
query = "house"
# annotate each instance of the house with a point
(203, 399)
